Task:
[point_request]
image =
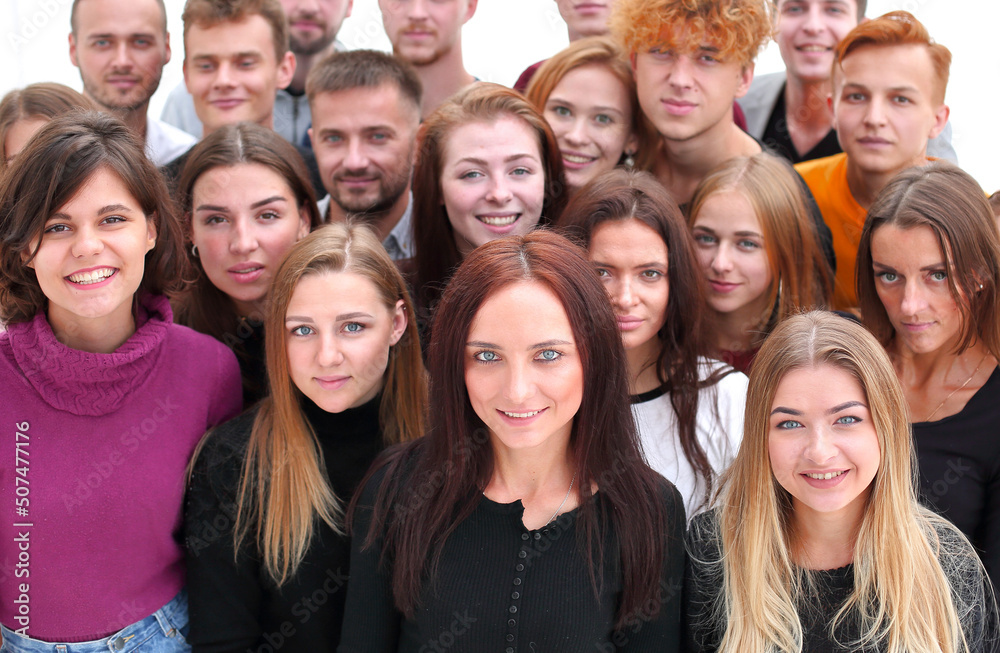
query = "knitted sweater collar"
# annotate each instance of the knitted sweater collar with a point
(88, 383)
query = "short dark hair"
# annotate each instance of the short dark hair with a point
(342, 71)
(58, 161)
(209, 13)
(72, 15)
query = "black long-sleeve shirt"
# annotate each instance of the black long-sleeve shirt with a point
(503, 588)
(234, 604)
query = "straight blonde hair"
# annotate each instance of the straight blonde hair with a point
(283, 486)
(918, 581)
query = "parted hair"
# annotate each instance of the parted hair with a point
(738, 28)
(437, 252)
(603, 442)
(600, 51)
(801, 279)
(209, 13)
(45, 100)
(621, 195)
(342, 71)
(283, 487)
(946, 199)
(892, 29)
(53, 167)
(917, 580)
(203, 307)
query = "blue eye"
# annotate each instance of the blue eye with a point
(849, 419)
(789, 424)
(302, 331)
(354, 327)
(487, 357)
(549, 355)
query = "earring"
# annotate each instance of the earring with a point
(629, 160)
(194, 251)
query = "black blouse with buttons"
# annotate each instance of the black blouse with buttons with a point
(503, 588)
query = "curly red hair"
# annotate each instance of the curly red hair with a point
(738, 28)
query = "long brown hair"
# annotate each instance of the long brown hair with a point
(58, 161)
(45, 100)
(621, 195)
(283, 487)
(801, 278)
(948, 200)
(204, 307)
(437, 253)
(604, 441)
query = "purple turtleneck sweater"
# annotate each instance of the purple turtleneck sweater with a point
(93, 450)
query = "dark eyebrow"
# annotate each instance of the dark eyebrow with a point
(109, 208)
(788, 411)
(540, 345)
(276, 198)
(512, 157)
(212, 207)
(845, 406)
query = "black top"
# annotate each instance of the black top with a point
(234, 605)
(703, 631)
(959, 461)
(502, 588)
(249, 349)
(779, 141)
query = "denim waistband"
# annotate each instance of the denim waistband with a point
(164, 621)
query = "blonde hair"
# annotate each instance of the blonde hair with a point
(283, 486)
(801, 277)
(918, 582)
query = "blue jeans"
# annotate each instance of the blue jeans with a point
(161, 632)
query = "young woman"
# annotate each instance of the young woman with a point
(587, 95)
(264, 527)
(26, 110)
(104, 397)
(758, 249)
(247, 199)
(818, 542)
(487, 166)
(525, 518)
(928, 276)
(689, 409)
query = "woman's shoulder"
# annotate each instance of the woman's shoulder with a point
(219, 458)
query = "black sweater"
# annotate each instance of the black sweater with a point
(503, 588)
(234, 605)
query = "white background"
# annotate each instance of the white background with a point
(505, 36)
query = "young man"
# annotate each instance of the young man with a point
(120, 49)
(366, 111)
(889, 81)
(236, 59)
(312, 29)
(428, 35)
(788, 111)
(687, 79)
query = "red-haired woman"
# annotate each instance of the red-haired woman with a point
(488, 166)
(526, 518)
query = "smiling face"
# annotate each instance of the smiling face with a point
(732, 253)
(492, 181)
(91, 257)
(808, 31)
(423, 31)
(120, 49)
(338, 333)
(244, 220)
(233, 73)
(822, 443)
(590, 113)
(688, 93)
(632, 261)
(313, 24)
(886, 106)
(524, 377)
(364, 140)
(911, 279)
(585, 17)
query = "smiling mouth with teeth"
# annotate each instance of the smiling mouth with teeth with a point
(579, 159)
(521, 415)
(499, 221)
(95, 276)
(827, 476)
